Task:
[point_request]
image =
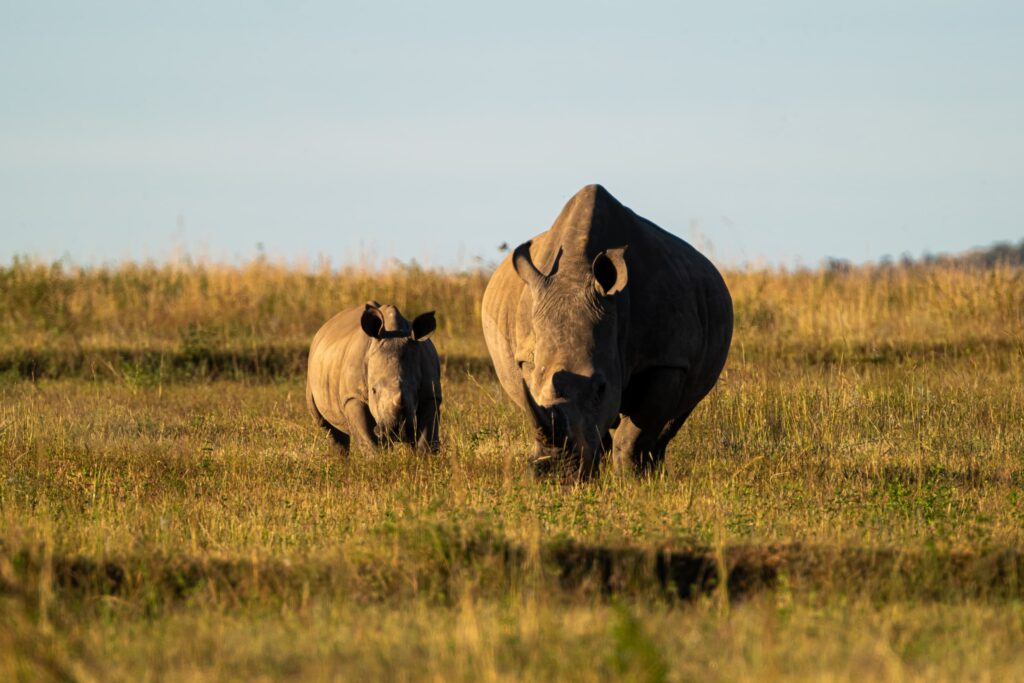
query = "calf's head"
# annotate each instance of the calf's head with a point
(394, 368)
(570, 363)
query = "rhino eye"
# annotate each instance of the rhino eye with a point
(526, 366)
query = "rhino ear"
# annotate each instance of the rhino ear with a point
(371, 321)
(610, 272)
(523, 265)
(423, 326)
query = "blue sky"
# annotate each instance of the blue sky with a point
(781, 132)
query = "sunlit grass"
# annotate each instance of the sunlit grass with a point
(874, 410)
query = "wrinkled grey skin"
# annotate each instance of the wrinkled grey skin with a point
(375, 376)
(606, 321)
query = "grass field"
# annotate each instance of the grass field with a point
(848, 503)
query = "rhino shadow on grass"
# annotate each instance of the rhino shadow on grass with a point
(566, 568)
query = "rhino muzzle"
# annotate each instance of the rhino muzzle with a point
(395, 423)
(553, 426)
(564, 444)
(400, 430)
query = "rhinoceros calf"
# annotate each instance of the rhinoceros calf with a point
(606, 321)
(375, 376)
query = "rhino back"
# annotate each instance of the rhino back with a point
(337, 365)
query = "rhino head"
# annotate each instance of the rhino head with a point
(570, 361)
(393, 368)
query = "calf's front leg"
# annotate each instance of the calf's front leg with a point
(428, 418)
(362, 422)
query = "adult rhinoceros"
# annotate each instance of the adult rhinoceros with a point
(605, 321)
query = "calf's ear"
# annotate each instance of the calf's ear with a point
(372, 322)
(423, 326)
(610, 272)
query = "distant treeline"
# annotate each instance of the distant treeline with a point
(1002, 253)
(999, 254)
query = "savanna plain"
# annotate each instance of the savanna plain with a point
(847, 503)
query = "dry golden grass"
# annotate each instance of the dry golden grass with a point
(855, 481)
(163, 306)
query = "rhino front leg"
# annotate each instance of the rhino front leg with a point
(643, 448)
(655, 408)
(362, 423)
(636, 449)
(339, 440)
(428, 421)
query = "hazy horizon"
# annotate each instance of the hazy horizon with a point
(460, 261)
